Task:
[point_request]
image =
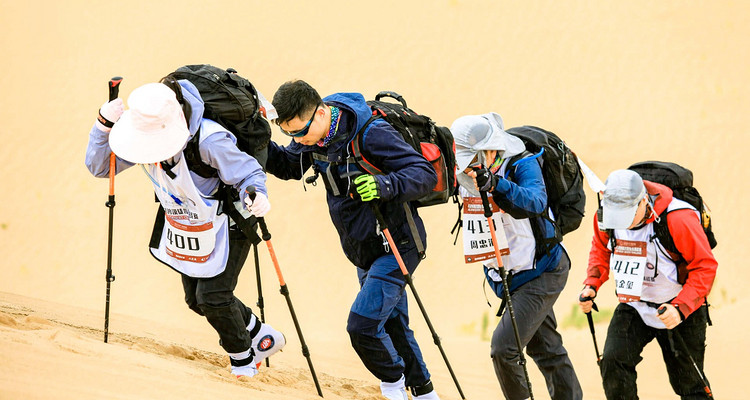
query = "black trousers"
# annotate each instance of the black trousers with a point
(214, 298)
(628, 335)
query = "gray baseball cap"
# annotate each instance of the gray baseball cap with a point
(624, 191)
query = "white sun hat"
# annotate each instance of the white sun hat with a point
(474, 133)
(153, 129)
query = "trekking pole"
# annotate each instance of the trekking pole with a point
(285, 291)
(506, 289)
(260, 290)
(591, 327)
(682, 343)
(114, 90)
(407, 277)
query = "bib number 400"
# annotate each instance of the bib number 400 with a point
(182, 242)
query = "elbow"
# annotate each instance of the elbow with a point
(97, 172)
(538, 207)
(431, 181)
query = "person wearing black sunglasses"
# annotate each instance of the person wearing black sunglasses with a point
(321, 131)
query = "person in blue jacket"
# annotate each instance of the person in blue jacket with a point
(493, 161)
(191, 235)
(321, 131)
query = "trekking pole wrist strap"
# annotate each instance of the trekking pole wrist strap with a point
(104, 121)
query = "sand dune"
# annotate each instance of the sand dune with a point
(619, 81)
(56, 351)
(46, 354)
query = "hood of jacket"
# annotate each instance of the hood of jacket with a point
(192, 96)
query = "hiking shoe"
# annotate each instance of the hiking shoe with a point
(266, 343)
(394, 390)
(246, 370)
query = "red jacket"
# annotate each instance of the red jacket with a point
(699, 268)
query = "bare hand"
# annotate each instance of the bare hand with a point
(473, 175)
(670, 317)
(589, 293)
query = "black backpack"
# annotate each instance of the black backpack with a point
(433, 142)
(680, 180)
(562, 176)
(232, 101)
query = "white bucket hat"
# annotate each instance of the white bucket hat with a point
(474, 133)
(624, 191)
(153, 129)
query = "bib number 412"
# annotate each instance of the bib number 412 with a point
(627, 267)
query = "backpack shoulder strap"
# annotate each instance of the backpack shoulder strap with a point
(661, 230)
(612, 239)
(193, 158)
(357, 144)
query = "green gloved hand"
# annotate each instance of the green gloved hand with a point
(365, 188)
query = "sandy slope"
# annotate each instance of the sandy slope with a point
(620, 81)
(55, 351)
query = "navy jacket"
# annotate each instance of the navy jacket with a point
(406, 177)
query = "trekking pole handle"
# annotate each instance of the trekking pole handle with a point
(393, 95)
(485, 200)
(661, 310)
(114, 91)
(593, 306)
(266, 236)
(114, 87)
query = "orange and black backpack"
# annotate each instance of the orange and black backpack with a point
(435, 143)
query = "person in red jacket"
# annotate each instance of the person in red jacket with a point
(661, 294)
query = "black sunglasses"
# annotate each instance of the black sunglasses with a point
(303, 131)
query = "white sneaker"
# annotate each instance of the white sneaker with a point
(427, 396)
(394, 390)
(245, 370)
(266, 343)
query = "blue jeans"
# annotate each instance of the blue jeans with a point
(378, 323)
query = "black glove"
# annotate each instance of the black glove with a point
(486, 180)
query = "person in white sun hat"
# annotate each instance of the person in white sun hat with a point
(491, 160)
(662, 294)
(193, 233)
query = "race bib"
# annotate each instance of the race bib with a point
(193, 243)
(478, 245)
(628, 265)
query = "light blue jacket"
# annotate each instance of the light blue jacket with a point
(219, 150)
